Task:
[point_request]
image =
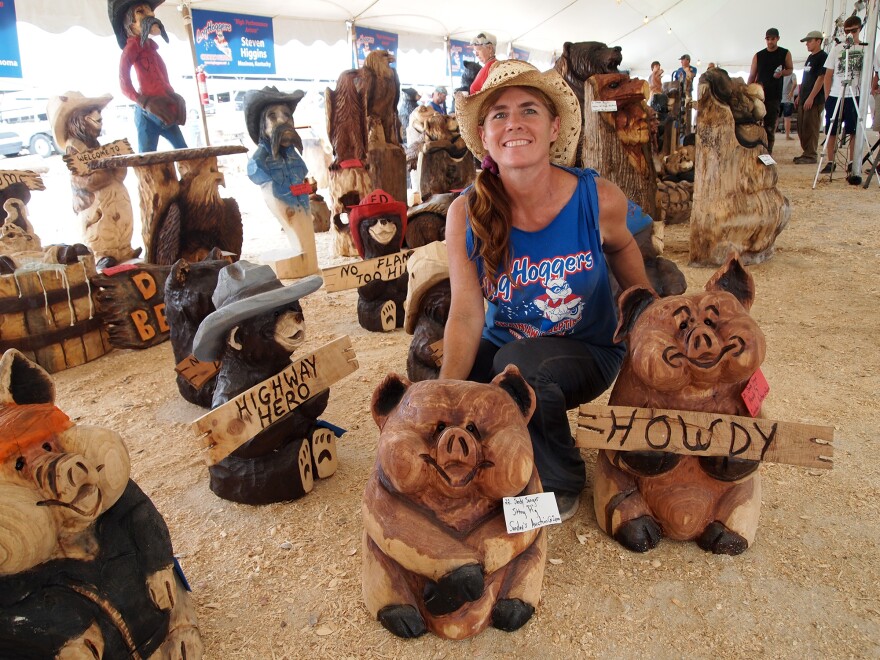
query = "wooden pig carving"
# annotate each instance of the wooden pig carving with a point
(437, 555)
(695, 353)
(378, 225)
(86, 565)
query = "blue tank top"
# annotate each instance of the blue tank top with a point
(558, 282)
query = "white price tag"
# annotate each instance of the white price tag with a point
(530, 511)
(767, 159)
(603, 106)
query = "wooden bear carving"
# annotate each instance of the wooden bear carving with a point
(428, 298)
(86, 564)
(378, 225)
(257, 325)
(695, 353)
(437, 555)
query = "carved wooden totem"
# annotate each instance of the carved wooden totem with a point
(737, 204)
(437, 555)
(87, 568)
(693, 353)
(257, 325)
(378, 225)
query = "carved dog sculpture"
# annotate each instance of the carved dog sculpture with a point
(437, 555)
(693, 352)
(86, 565)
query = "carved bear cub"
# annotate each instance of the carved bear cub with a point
(695, 353)
(437, 555)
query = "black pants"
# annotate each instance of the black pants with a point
(564, 374)
(770, 120)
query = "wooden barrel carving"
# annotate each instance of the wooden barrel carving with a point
(48, 313)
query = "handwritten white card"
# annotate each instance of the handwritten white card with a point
(767, 159)
(603, 106)
(530, 511)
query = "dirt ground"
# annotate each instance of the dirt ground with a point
(284, 581)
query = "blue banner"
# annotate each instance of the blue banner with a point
(519, 54)
(233, 43)
(459, 51)
(367, 40)
(10, 57)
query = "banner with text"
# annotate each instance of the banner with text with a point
(459, 51)
(10, 57)
(229, 43)
(519, 54)
(367, 40)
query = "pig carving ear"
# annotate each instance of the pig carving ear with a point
(24, 382)
(511, 381)
(387, 396)
(630, 305)
(734, 278)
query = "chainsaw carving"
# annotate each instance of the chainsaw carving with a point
(437, 555)
(427, 221)
(737, 204)
(693, 353)
(87, 568)
(438, 153)
(427, 308)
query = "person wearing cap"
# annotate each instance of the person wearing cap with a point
(160, 111)
(100, 198)
(535, 239)
(484, 49)
(811, 100)
(685, 73)
(438, 99)
(845, 63)
(770, 66)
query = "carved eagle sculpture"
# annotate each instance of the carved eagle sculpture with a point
(381, 88)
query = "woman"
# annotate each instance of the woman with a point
(533, 238)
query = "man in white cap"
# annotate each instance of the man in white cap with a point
(484, 49)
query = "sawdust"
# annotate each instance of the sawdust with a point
(283, 581)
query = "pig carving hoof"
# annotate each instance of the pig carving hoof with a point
(402, 620)
(718, 539)
(511, 614)
(454, 589)
(639, 535)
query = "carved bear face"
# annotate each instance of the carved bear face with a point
(446, 440)
(56, 478)
(704, 340)
(586, 58)
(270, 337)
(378, 235)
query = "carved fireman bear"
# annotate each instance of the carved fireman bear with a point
(86, 564)
(378, 225)
(437, 555)
(696, 353)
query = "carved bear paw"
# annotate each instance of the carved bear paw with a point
(639, 535)
(402, 620)
(388, 316)
(163, 588)
(464, 584)
(510, 614)
(718, 539)
(88, 645)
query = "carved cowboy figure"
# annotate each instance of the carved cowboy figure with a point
(100, 199)
(160, 110)
(277, 166)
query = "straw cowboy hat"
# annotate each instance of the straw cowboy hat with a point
(514, 73)
(428, 265)
(376, 203)
(257, 99)
(245, 290)
(60, 109)
(116, 10)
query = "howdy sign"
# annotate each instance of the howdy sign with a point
(32, 180)
(357, 274)
(79, 163)
(622, 428)
(229, 426)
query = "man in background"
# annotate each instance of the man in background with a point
(770, 66)
(438, 100)
(811, 99)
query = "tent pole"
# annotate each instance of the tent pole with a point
(446, 46)
(865, 86)
(188, 24)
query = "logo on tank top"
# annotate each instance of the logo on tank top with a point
(523, 273)
(560, 303)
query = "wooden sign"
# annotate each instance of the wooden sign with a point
(79, 163)
(359, 273)
(227, 427)
(132, 302)
(31, 179)
(437, 352)
(623, 428)
(196, 372)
